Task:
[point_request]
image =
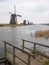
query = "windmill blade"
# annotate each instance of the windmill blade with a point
(19, 15)
(14, 9)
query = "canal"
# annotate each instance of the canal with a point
(15, 34)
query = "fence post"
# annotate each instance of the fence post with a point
(29, 60)
(23, 45)
(13, 55)
(34, 47)
(34, 51)
(5, 48)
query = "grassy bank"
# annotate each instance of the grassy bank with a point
(1, 25)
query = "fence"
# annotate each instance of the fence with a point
(14, 47)
(34, 51)
(34, 48)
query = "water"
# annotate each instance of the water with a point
(15, 34)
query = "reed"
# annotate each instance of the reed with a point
(42, 33)
(46, 34)
(39, 33)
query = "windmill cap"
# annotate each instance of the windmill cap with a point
(13, 15)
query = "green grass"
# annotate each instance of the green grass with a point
(47, 62)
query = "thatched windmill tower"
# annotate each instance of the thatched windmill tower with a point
(13, 19)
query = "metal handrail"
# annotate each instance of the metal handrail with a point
(34, 48)
(36, 43)
(14, 47)
(22, 50)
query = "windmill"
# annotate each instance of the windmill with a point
(14, 16)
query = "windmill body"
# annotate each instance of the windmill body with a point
(12, 20)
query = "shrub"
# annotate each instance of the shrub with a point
(47, 62)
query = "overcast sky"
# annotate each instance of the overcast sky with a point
(36, 11)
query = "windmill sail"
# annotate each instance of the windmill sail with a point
(14, 9)
(18, 15)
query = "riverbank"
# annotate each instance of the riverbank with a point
(1, 25)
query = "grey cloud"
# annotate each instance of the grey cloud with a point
(31, 9)
(40, 10)
(3, 0)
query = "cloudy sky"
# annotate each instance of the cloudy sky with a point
(36, 11)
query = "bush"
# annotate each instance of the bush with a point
(47, 62)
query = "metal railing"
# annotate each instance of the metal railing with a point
(34, 48)
(27, 53)
(14, 47)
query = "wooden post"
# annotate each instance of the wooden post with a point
(23, 45)
(13, 55)
(34, 51)
(5, 50)
(29, 60)
(34, 47)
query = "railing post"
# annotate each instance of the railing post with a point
(29, 60)
(34, 47)
(23, 45)
(5, 48)
(34, 51)
(13, 55)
